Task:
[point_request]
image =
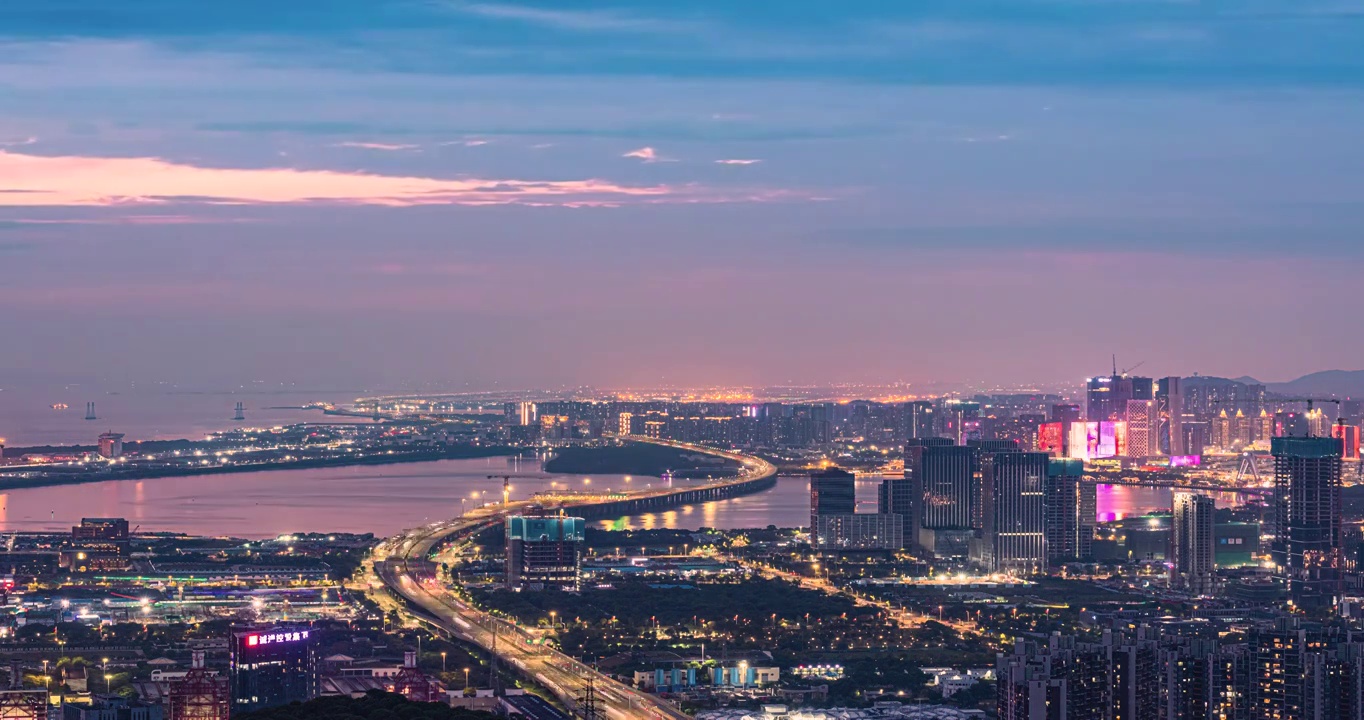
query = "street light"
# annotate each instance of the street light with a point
(442, 661)
(552, 615)
(466, 678)
(106, 675)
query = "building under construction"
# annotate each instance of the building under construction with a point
(200, 695)
(544, 552)
(414, 684)
(19, 704)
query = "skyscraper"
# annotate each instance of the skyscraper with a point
(833, 491)
(1015, 518)
(939, 478)
(271, 667)
(918, 419)
(1068, 530)
(1106, 397)
(1193, 564)
(1143, 429)
(1348, 435)
(1170, 407)
(1307, 508)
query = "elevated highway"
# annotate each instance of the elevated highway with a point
(404, 567)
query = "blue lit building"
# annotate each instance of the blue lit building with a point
(544, 552)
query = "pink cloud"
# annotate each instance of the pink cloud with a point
(737, 162)
(648, 155)
(376, 146)
(34, 180)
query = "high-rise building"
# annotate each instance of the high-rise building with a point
(895, 496)
(1143, 429)
(1135, 674)
(1015, 517)
(918, 419)
(1061, 680)
(544, 552)
(271, 667)
(1066, 413)
(1106, 397)
(1209, 395)
(833, 491)
(1195, 437)
(1170, 408)
(1194, 561)
(947, 474)
(1051, 439)
(1348, 435)
(1287, 670)
(1068, 530)
(1307, 511)
(981, 490)
(959, 421)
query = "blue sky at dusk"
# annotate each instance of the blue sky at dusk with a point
(403, 193)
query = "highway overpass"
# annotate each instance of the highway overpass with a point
(404, 567)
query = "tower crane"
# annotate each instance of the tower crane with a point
(506, 485)
(1125, 370)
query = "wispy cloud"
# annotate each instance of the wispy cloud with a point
(377, 146)
(985, 138)
(576, 20)
(648, 155)
(18, 143)
(465, 143)
(35, 181)
(737, 161)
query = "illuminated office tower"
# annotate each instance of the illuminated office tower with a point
(918, 418)
(1106, 397)
(1307, 509)
(1143, 429)
(271, 667)
(832, 492)
(1193, 566)
(1015, 514)
(942, 482)
(1170, 408)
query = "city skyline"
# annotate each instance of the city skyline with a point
(523, 194)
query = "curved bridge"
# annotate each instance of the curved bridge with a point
(404, 567)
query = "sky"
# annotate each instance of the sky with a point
(424, 194)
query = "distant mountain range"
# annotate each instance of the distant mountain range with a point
(1327, 383)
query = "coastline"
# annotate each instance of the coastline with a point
(462, 453)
